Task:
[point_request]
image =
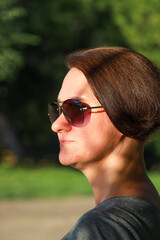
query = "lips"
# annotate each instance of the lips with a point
(64, 141)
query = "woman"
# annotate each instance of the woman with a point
(108, 107)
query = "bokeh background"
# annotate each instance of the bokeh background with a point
(35, 37)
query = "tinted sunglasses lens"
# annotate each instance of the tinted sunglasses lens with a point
(73, 112)
(53, 112)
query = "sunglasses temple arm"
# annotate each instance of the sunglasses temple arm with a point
(85, 108)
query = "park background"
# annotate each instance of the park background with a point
(35, 37)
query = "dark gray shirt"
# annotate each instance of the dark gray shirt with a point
(119, 218)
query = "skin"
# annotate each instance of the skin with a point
(112, 163)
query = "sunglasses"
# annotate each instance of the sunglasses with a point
(73, 110)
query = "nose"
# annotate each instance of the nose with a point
(61, 124)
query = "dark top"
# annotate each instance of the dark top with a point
(119, 218)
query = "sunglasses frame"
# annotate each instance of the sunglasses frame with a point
(60, 109)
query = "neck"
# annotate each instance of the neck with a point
(121, 173)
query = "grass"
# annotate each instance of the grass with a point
(49, 182)
(155, 178)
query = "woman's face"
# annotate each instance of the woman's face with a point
(96, 139)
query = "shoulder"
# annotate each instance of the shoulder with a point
(95, 225)
(119, 218)
(92, 225)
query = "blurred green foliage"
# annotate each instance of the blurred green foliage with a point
(35, 37)
(139, 21)
(13, 38)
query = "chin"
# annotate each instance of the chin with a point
(68, 162)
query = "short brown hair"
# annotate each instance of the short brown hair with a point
(127, 85)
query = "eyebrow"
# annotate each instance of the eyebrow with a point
(75, 97)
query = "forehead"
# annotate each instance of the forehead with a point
(75, 85)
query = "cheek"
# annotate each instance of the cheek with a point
(101, 137)
(93, 142)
